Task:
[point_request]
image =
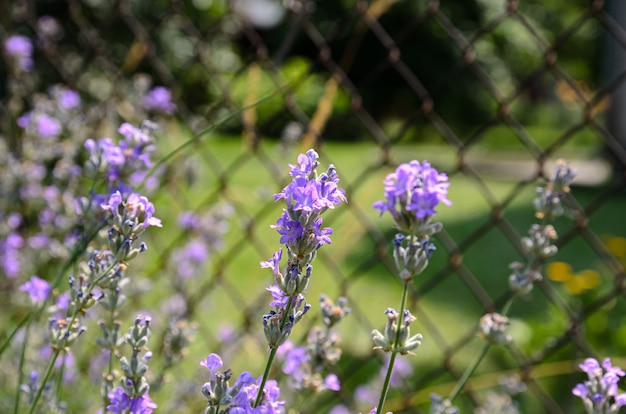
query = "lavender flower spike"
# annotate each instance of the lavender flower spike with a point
(307, 197)
(599, 392)
(412, 193)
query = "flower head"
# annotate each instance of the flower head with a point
(122, 403)
(159, 99)
(213, 362)
(135, 212)
(21, 49)
(37, 288)
(599, 393)
(493, 328)
(397, 337)
(126, 163)
(307, 197)
(550, 199)
(68, 99)
(412, 192)
(239, 397)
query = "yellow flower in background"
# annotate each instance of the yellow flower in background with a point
(575, 284)
(617, 247)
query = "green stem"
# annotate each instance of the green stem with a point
(268, 366)
(272, 355)
(60, 377)
(394, 352)
(21, 372)
(23, 322)
(470, 370)
(109, 373)
(36, 313)
(57, 279)
(507, 306)
(40, 388)
(62, 345)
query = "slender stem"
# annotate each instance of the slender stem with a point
(36, 313)
(470, 370)
(394, 352)
(62, 345)
(21, 371)
(23, 322)
(40, 389)
(507, 305)
(268, 366)
(113, 342)
(60, 377)
(272, 355)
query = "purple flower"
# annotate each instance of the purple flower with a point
(226, 333)
(113, 203)
(274, 262)
(412, 192)
(137, 209)
(310, 194)
(188, 220)
(212, 363)
(143, 210)
(366, 394)
(13, 220)
(332, 382)
(21, 49)
(23, 121)
(133, 135)
(241, 396)
(599, 392)
(280, 297)
(10, 254)
(68, 99)
(294, 358)
(44, 125)
(107, 151)
(191, 258)
(339, 409)
(289, 230)
(126, 163)
(159, 99)
(271, 393)
(244, 379)
(63, 301)
(37, 288)
(121, 402)
(48, 127)
(321, 234)
(306, 164)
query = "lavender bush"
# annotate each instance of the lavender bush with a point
(75, 222)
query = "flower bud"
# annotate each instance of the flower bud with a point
(493, 328)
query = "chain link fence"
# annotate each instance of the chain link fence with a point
(491, 92)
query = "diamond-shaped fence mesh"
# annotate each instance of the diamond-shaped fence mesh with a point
(491, 92)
